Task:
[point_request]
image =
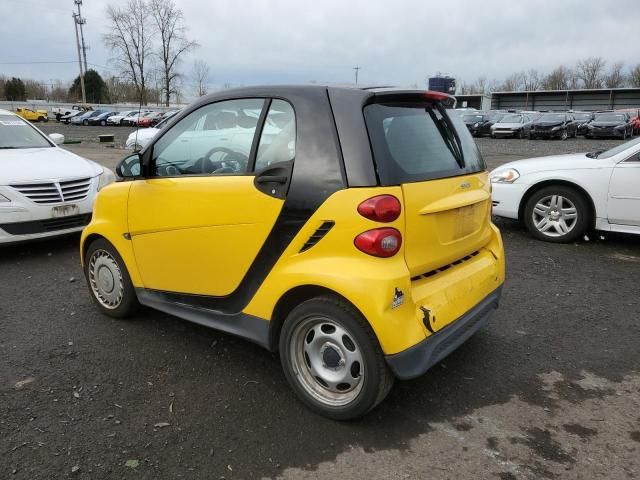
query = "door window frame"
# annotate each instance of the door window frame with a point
(149, 163)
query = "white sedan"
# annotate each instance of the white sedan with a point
(44, 190)
(560, 197)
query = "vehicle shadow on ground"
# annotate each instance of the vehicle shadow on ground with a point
(566, 308)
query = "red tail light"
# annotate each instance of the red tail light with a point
(380, 242)
(382, 208)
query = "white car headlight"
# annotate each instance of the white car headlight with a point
(105, 178)
(508, 175)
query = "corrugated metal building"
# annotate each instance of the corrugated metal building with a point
(597, 99)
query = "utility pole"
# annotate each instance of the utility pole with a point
(81, 21)
(75, 24)
(356, 70)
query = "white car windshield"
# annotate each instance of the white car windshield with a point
(615, 150)
(511, 119)
(16, 133)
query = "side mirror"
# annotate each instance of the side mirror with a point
(56, 138)
(129, 167)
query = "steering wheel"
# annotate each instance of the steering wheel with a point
(232, 162)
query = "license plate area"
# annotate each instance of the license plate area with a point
(64, 211)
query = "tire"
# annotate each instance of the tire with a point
(112, 291)
(564, 135)
(85, 122)
(521, 134)
(58, 116)
(40, 119)
(103, 123)
(326, 329)
(545, 204)
(531, 137)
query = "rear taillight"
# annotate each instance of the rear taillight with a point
(380, 242)
(382, 208)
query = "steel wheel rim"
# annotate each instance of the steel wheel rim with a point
(554, 215)
(327, 361)
(105, 279)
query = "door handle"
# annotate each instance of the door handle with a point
(272, 179)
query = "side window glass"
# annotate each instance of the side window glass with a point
(278, 140)
(213, 140)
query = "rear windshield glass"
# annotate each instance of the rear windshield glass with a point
(413, 142)
(611, 117)
(17, 133)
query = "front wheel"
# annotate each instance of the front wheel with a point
(332, 359)
(85, 122)
(564, 135)
(557, 214)
(109, 281)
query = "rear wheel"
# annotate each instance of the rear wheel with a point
(557, 214)
(85, 122)
(564, 135)
(332, 359)
(103, 123)
(109, 280)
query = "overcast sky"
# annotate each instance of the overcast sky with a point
(292, 41)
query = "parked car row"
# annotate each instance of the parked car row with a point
(132, 118)
(550, 125)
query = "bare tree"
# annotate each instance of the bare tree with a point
(513, 83)
(129, 39)
(169, 21)
(591, 72)
(200, 76)
(531, 80)
(615, 78)
(634, 76)
(558, 79)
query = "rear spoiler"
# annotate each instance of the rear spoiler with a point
(448, 101)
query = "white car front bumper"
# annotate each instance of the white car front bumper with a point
(506, 198)
(25, 219)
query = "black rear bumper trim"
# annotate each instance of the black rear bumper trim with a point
(415, 361)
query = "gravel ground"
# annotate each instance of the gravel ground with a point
(549, 389)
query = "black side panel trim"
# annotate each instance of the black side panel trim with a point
(415, 361)
(252, 328)
(318, 235)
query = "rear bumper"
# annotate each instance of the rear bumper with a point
(415, 361)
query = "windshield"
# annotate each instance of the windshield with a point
(616, 150)
(473, 118)
(16, 133)
(414, 142)
(511, 119)
(582, 116)
(610, 117)
(496, 117)
(551, 117)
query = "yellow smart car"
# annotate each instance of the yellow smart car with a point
(33, 115)
(349, 229)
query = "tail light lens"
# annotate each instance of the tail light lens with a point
(382, 208)
(379, 242)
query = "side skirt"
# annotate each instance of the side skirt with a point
(254, 329)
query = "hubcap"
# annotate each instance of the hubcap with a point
(555, 215)
(327, 361)
(105, 279)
